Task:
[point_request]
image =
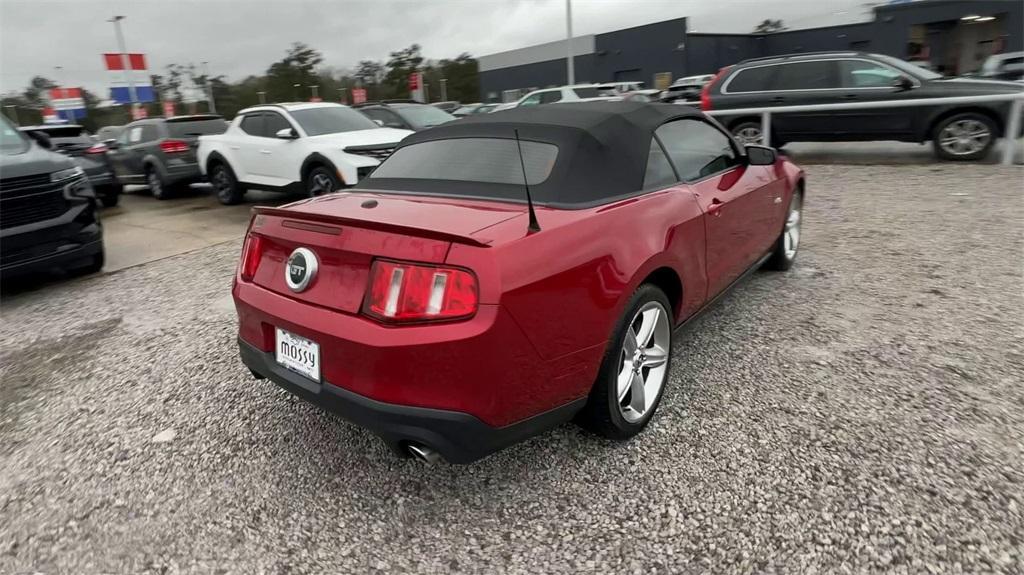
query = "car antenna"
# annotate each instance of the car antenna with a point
(533, 226)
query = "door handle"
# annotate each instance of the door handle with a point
(715, 209)
(778, 100)
(850, 97)
(265, 151)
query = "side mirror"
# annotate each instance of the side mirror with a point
(379, 123)
(287, 134)
(110, 143)
(761, 155)
(902, 83)
(42, 139)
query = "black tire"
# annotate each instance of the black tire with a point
(947, 152)
(111, 195)
(321, 180)
(158, 188)
(225, 185)
(782, 259)
(602, 413)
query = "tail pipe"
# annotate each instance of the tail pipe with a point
(424, 453)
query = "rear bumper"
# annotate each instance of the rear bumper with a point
(458, 437)
(178, 171)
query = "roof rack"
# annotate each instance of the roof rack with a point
(801, 54)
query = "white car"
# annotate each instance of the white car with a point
(310, 148)
(562, 94)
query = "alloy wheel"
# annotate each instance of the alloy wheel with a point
(644, 360)
(222, 183)
(964, 137)
(749, 135)
(321, 184)
(155, 187)
(791, 235)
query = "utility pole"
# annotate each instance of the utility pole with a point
(570, 64)
(263, 97)
(295, 92)
(125, 63)
(315, 89)
(444, 89)
(209, 88)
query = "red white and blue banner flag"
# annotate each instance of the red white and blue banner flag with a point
(119, 91)
(67, 103)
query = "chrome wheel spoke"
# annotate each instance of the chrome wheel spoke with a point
(638, 394)
(630, 345)
(624, 380)
(648, 321)
(655, 357)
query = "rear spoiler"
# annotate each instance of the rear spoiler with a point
(422, 232)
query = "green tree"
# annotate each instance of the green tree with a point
(37, 94)
(769, 26)
(297, 67)
(400, 65)
(463, 78)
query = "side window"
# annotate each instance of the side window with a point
(864, 74)
(532, 100)
(697, 149)
(388, 118)
(550, 97)
(130, 135)
(813, 75)
(751, 80)
(252, 124)
(659, 172)
(273, 122)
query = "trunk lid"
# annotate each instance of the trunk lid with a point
(347, 231)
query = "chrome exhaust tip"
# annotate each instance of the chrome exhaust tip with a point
(424, 453)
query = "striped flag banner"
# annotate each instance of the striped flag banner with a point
(67, 103)
(119, 91)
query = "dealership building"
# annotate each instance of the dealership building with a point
(953, 36)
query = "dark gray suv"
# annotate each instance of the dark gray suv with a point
(958, 132)
(161, 152)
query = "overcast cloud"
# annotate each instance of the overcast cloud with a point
(241, 37)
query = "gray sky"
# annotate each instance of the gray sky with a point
(242, 37)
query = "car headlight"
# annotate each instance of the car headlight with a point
(61, 175)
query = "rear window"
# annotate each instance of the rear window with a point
(197, 127)
(483, 160)
(586, 92)
(63, 131)
(751, 79)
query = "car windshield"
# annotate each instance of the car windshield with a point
(912, 69)
(425, 116)
(205, 127)
(332, 120)
(11, 140)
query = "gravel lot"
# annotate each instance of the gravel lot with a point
(863, 412)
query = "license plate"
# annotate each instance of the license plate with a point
(298, 354)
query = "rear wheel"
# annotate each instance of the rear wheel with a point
(229, 192)
(966, 137)
(788, 243)
(320, 181)
(111, 195)
(157, 187)
(635, 368)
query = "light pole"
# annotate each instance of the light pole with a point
(444, 89)
(295, 91)
(263, 97)
(125, 62)
(209, 88)
(316, 94)
(570, 65)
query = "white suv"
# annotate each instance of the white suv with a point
(310, 148)
(575, 93)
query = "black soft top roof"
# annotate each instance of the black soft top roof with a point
(602, 148)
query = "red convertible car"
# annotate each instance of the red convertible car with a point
(504, 273)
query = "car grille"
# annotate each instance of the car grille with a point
(379, 153)
(30, 199)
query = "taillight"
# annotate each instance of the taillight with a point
(174, 146)
(252, 251)
(402, 292)
(97, 149)
(705, 92)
